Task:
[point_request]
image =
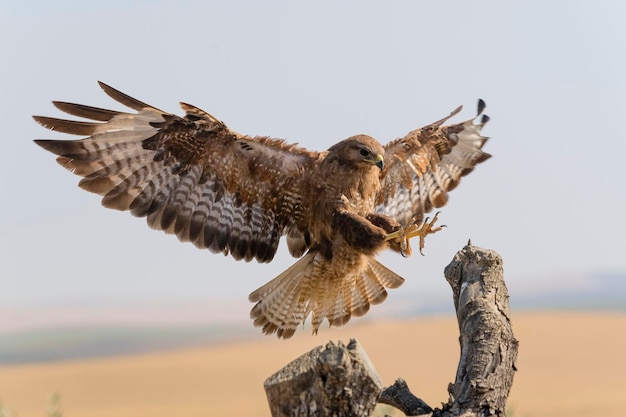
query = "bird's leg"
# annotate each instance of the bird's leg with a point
(420, 229)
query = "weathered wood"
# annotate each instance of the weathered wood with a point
(488, 347)
(332, 380)
(399, 396)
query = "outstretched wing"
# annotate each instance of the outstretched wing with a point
(423, 166)
(190, 176)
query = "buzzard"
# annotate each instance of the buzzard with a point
(235, 194)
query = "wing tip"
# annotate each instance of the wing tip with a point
(54, 146)
(40, 119)
(123, 98)
(44, 143)
(480, 106)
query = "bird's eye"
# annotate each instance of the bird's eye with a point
(364, 152)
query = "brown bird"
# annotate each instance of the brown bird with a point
(235, 194)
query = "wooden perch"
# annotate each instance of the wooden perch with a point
(488, 347)
(332, 380)
(336, 380)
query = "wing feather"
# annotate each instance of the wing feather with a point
(88, 112)
(190, 176)
(124, 99)
(422, 167)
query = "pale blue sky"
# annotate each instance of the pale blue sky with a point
(551, 201)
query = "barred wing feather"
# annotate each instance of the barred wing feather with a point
(190, 176)
(423, 166)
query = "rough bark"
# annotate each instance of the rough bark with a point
(399, 396)
(488, 347)
(332, 380)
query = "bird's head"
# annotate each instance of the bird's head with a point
(359, 151)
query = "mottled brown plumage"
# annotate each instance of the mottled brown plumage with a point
(194, 177)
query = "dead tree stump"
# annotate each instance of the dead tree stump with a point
(332, 380)
(488, 347)
(336, 380)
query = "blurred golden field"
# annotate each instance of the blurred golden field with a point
(569, 364)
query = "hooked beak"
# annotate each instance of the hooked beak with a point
(379, 162)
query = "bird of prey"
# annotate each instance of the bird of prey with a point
(235, 194)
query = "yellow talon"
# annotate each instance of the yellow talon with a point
(420, 229)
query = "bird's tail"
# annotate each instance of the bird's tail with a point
(309, 287)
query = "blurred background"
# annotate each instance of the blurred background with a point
(551, 201)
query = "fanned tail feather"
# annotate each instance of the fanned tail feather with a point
(305, 288)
